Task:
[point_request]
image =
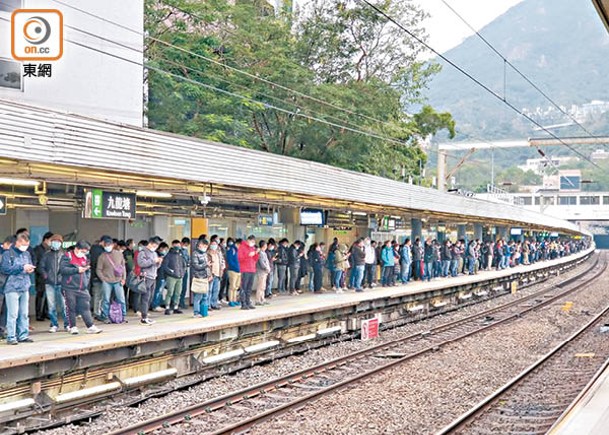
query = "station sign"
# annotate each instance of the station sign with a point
(3, 205)
(370, 329)
(265, 220)
(100, 204)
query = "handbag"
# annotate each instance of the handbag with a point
(136, 284)
(199, 285)
(118, 270)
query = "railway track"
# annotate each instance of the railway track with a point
(261, 402)
(535, 399)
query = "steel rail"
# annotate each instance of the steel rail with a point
(471, 415)
(228, 400)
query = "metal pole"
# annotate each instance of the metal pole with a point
(492, 166)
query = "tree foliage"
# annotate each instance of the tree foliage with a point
(332, 84)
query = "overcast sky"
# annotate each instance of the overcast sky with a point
(447, 31)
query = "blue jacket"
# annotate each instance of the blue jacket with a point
(232, 258)
(387, 256)
(12, 264)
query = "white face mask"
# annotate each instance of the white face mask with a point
(80, 254)
(23, 248)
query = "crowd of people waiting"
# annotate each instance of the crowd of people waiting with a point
(101, 281)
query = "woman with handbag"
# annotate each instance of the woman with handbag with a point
(200, 278)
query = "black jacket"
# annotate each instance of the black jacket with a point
(71, 280)
(199, 264)
(174, 264)
(94, 253)
(282, 256)
(293, 256)
(49, 267)
(358, 256)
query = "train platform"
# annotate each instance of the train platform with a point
(49, 346)
(589, 413)
(62, 368)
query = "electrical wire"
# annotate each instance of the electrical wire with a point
(472, 78)
(520, 73)
(208, 59)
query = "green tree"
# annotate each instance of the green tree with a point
(345, 79)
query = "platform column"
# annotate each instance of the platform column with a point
(160, 226)
(441, 233)
(502, 233)
(462, 232)
(478, 232)
(417, 229)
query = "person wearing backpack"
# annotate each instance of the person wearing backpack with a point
(16, 268)
(49, 269)
(75, 273)
(113, 274)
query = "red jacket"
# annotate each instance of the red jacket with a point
(247, 263)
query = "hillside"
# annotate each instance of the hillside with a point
(560, 45)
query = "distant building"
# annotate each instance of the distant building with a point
(538, 166)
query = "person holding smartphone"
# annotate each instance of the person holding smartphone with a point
(17, 267)
(75, 271)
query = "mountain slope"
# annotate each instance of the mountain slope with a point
(560, 45)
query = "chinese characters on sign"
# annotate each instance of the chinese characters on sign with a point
(37, 36)
(265, 220)
(37, 70)
(111, 205)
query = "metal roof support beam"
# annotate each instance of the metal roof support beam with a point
(588, 140)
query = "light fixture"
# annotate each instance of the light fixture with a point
(19, 182)
(359, 213)
(153, 194)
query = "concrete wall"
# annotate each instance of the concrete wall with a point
(85, 81)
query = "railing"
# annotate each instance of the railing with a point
(503, 195)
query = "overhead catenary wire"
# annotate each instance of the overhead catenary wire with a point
(270, 97)
(236, 95)
(472, 78)
(507, 62)
(208, 59)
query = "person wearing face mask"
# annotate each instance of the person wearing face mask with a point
(149, 262)
(248, 257)
(317, 264)
(6, 245)
(75, 273)
(200, 278)
(216, 266)
(49, 268)
(161, 279)
(134, 298)
(174, 268)
(234, 273)
(113, 274)
(271, 253)
(37, 254)
(17, 266)
(263, 268)
(96, 285)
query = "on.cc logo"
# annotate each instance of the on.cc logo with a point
(37, 34)
(37, 30)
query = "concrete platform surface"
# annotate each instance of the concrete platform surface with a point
(49, 346)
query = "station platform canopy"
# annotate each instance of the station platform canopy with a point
(58, 147)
